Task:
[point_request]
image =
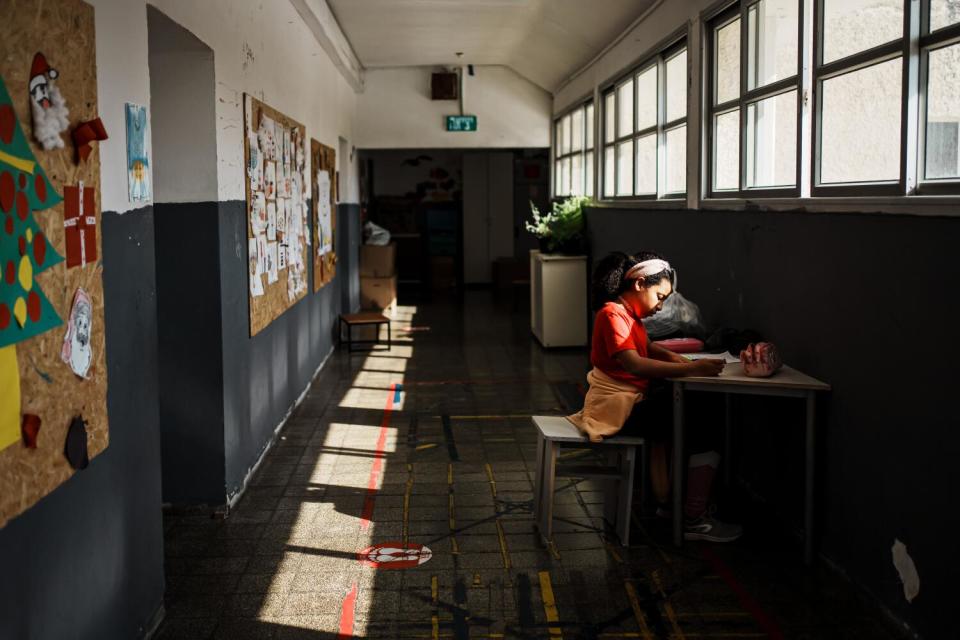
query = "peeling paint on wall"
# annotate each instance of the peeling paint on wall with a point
(906, 569)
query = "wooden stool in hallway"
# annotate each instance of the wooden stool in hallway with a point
(364, 319)
(555, 433)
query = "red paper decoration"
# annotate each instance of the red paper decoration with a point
(80, 222)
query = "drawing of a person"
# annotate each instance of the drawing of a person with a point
(77, 351)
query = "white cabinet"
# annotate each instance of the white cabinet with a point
(558, 299)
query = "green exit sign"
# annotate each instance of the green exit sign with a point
(461, 123)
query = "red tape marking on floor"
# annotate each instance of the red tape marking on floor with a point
(378, 457)
(746, 600)
(346, 614)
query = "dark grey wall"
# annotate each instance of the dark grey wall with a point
(851, 299)
(264, 375)
(87, 560)
(349, 239)
(191, 375)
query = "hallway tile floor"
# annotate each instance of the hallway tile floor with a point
(431, 444)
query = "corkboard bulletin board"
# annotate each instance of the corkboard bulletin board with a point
(276, 298)
(63, 30)
(323, 158)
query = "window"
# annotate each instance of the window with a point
(573, 152)
(858, 80)
(940, 99)
(754, 100)
(645, 129)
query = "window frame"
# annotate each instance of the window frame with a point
(878, 54)
(746, 97)
(931, 41)
(672, 46)
(558, 157)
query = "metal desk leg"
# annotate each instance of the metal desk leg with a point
(549, 486)
(538, 481)
(808, 498)
(678, 466)
(727, 438)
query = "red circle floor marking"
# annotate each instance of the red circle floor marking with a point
(395, 555)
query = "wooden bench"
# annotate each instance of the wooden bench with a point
(365, 318)
(555, 433)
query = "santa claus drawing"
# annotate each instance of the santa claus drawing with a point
(49, 108)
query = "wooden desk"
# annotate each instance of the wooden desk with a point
(787, 382)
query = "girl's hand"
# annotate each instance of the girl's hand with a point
(706, 367)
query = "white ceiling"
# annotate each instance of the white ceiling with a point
(542, 40)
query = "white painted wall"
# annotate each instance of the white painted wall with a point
(183, 113)
(265, 49)
(261, 48)
(121, 27)
(395, 111)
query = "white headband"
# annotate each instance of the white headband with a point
(647, 268)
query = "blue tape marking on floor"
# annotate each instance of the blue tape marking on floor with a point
(396, 392)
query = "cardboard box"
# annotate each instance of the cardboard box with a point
(443, 273)
(378, 293)
(378, 261)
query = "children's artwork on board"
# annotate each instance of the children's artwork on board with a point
(138, 153)
(76, 351)
(258, 215)
(80, 225)
(272, 264)
(324, 221)
(286, 152)
(270, 180)
(268, 138)
(256, 270)
(255, 165)
(281, 256)
(272, 221)
(50, 114)
(282, 220)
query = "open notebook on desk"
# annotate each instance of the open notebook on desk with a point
(726, 356)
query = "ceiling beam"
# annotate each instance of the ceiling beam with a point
(323, 24)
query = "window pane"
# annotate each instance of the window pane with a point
(943, 114)
(850, 26)
(576, 130)
(647, 164)
(625, 168)
(647, 98)
(565, 175)
(588, 178)
(565, 136)
(576, 175)
(726, 151)
(727, 55)
(675, 179)
(557, 132)
(609, 167)
(590, 126)
(608, 117)
(943, 13)
(557, 185)
(772, 141)
(772, 42)
(860, 125)
(625, 106)
(677, 86)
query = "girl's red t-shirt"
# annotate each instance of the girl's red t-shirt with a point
(614, 330)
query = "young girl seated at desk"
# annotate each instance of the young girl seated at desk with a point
(626, 390)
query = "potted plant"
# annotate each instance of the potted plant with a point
(560, 230)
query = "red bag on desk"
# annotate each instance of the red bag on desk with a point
(760, 360)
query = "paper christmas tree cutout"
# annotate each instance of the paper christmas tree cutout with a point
(25, 250)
